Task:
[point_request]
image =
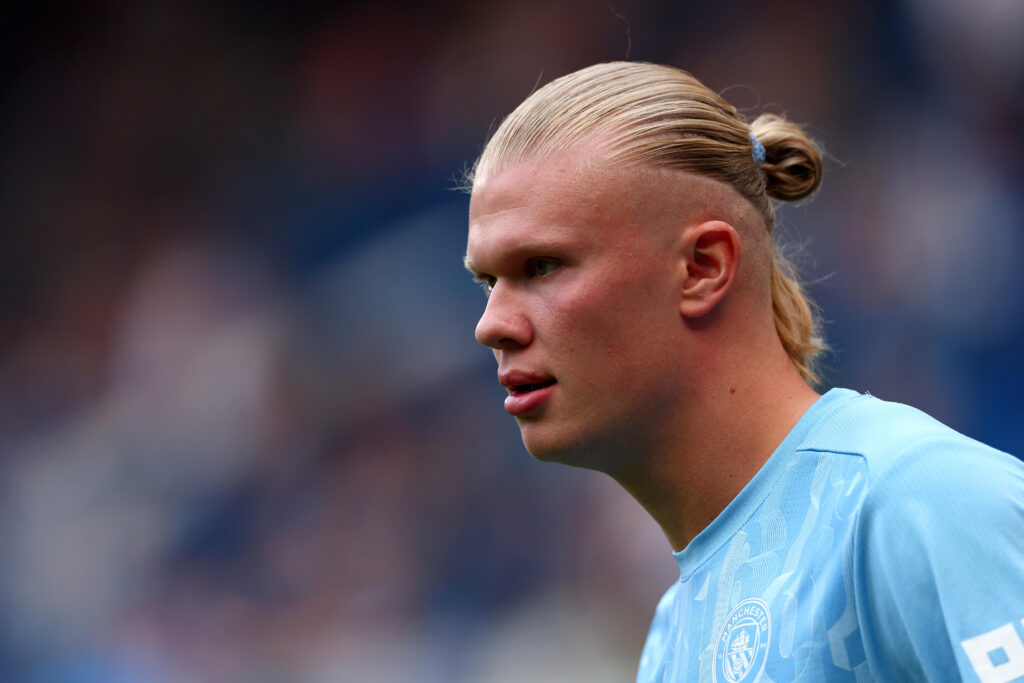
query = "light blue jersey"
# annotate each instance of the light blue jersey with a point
(875, 544)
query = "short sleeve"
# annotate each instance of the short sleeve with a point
(938, 566)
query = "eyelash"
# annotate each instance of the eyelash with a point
(534, 263)
(487, 282)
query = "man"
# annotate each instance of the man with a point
(645, 326)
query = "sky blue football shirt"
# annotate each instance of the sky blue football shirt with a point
(875, 544)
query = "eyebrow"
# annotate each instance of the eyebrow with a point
(526, 249)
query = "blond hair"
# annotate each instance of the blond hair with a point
(660, 116)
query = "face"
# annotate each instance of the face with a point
(581, 268)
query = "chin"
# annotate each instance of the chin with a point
(544, 445)
(565, 449)
(544, 452)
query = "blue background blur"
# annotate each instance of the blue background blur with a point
(245, 431)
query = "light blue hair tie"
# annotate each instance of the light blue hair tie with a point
(758, 153)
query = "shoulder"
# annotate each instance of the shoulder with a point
(922, 476)
(658, 644)
(933, 501)
(936, 557)
(903, 447)
(663, 614)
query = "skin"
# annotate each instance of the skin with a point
(644, 294)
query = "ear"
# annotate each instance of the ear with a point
(711, 256)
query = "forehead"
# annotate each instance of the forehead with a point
(564, 199)
(568, 181)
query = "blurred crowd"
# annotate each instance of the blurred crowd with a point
(245, 431)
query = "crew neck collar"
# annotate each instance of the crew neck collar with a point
(743, 506)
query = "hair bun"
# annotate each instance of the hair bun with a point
(792, 166)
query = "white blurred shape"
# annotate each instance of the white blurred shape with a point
(93, 502)
(553, 639)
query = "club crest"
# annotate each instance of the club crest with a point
(742, 646)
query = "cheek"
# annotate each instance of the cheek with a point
(613, 320)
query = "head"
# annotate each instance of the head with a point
(599, 200)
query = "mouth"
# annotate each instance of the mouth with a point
(527, 388)
(527, 392)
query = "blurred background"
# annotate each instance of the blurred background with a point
(245, 431)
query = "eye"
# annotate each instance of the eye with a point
(486, 283)
(542, 267)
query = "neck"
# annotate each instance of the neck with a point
(732, 423)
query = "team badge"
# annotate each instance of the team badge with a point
(742, 646)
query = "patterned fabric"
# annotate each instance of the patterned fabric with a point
(875, 544)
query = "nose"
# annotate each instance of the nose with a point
(504, 325)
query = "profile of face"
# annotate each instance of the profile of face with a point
(581, 267)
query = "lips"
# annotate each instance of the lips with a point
(526, 388)
(528, 391)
